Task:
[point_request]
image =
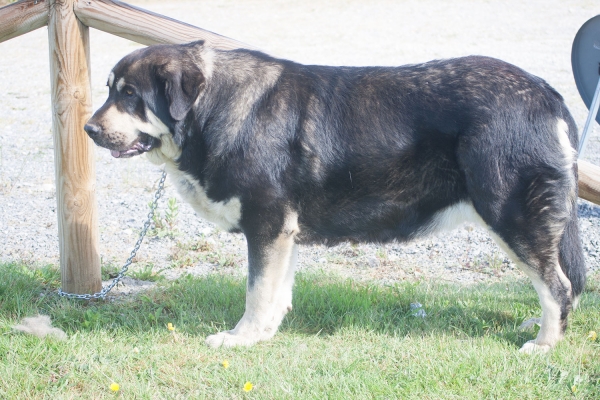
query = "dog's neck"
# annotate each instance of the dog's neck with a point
(167, 153)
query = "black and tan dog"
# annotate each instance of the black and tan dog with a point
(290, 154)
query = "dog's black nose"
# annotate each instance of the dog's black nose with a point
(92, 130)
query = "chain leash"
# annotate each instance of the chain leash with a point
(102, 294)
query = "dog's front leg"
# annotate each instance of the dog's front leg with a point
(271, 268)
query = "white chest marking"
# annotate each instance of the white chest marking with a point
(226, 214)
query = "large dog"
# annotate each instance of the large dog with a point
(289, 154)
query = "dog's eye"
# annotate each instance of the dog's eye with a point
(129, 92)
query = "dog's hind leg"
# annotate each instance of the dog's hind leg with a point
(528, 200)
(542, 264)
(272, 265)
(559, 289)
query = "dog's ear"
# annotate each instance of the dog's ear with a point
(182, 82)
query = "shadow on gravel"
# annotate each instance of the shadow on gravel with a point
(322, 305)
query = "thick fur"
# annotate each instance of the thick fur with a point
(289, 154)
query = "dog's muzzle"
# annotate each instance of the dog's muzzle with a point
(143, 144)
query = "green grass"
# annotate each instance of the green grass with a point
(342, 340)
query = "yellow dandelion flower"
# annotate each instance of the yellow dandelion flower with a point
(592, 335)
(170, 327)
(225, 364)
(574, 389)
(248, 386)
(114, 387)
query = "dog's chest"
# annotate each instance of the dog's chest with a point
(226, 214)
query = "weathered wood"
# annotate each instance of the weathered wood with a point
(22, 17)
(589, 181)
(73, 150)
(144, 26)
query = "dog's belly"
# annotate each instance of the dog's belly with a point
(386, 224)
(397, 196)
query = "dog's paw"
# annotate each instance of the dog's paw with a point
(532, 347)
(530, 324)
(227, 339)
(271, 329)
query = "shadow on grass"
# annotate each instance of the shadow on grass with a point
(322, 304)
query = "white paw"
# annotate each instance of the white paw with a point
(530, 324)
(532, 347)
(227, 339)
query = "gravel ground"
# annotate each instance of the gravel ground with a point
(535, 35)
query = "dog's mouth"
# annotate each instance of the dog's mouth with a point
(144, 144)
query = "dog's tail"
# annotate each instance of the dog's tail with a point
(571, 258)
(570, 255)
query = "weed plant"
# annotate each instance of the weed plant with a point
(165, 226)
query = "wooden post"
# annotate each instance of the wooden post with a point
(73, 150)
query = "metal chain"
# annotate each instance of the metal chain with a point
(102, 294)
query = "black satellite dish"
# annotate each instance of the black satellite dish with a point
(585, 61)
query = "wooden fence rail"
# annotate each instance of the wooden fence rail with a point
(24, 16)
(589, 181)
(68, 34)
(144, 26)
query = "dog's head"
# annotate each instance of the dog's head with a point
(151, 91)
